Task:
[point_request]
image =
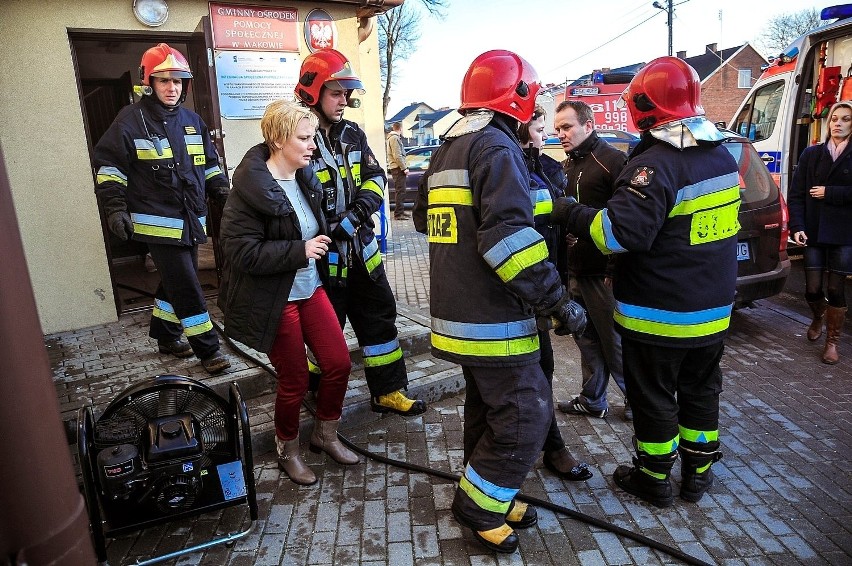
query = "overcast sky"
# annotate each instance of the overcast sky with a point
(565, 39)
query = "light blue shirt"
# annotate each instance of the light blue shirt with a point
(307, 278)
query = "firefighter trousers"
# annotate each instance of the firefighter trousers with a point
(507, 413)
(672, 389)
(180, 306)
(371, 309)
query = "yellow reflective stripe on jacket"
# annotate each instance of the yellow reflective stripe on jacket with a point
(706, 194)
(374, 187)
(698, 436)
(459, 196)
(672, 324)
(516, 252)
(371, 255)
(601, 234)
(151, 225)
(194, 144)
(106, 174)
(146, 151)
(212, 172)
(541, 201)
(492, 339)
(323, 175)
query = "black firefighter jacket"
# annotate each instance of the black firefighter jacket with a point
(675, 213)
(488, 265)
(262, 247)
(158, 165)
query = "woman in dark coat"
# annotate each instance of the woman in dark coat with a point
(547, 182)
(273, 238)
(820, 203)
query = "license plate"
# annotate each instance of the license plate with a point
(742, 251)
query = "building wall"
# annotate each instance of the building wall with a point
(720, 94)
(44, 141)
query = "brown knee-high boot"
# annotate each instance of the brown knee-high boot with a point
(815, 329)
(834, 318)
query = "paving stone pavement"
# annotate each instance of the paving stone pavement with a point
(783, 493)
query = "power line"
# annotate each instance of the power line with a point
(652, 16)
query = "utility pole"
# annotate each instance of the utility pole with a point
(669, 8)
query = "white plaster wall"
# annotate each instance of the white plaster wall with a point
(44, 142)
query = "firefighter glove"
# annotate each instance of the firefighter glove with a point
(120, 225)
(567, 316)
(346, 228)
(562, 209)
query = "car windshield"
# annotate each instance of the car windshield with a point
(418, 160)
(756, 185)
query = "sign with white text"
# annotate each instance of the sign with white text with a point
(254, 28)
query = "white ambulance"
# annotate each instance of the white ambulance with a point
(785, 110)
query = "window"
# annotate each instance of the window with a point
(744, 78)
(757, 118)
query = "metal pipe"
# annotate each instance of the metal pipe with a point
(44, 519)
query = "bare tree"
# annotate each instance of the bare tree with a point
(782, 29)
(399, 31)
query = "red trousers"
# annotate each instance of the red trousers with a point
(310, 322)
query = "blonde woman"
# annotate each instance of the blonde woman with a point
(274, 239)
(820, 202)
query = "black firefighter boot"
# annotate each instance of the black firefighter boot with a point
(696, 475)
(648, 478)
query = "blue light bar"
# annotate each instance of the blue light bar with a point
(841, 11)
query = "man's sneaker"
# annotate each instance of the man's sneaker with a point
(398, 403)
(576, 407)
(177, 348)
(215, 363)
(628, 411)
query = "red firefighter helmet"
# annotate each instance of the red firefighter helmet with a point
(664, 90)
(163, 61)
(501, 81)
(326, 67)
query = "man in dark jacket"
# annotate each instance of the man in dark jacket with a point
(353, 190)
(591, 167)
(490, 278)
(675, 210)
(156, 163)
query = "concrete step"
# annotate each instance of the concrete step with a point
(100, 386)
(429, 379)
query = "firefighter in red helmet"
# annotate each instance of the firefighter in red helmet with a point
(353, 190)
(674, 210)
(490, 282)
(156, 167)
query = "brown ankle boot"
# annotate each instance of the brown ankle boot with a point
(815, 329)
(291, 463)
(325, 438)
(834, 318)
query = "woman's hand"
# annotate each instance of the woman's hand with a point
(800, 238)
(317, 247)
(818, 192)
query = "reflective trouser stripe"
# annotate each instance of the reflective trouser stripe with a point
(382, 354)
(485, 494)
(165, 311)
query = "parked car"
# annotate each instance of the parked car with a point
(418, 159)
(762, 259)
(623, 141)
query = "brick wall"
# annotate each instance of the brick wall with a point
(720, 95)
